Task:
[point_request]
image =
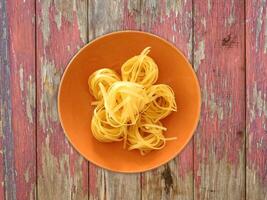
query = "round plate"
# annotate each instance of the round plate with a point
(111, 51)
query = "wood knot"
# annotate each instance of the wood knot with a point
(167, 176)
(211, 190)
(229, 41)
(239, 132)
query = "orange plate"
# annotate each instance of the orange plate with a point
(111, 51)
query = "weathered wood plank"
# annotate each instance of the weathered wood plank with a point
(105, 17)
(18, 99)
(7, 173)
(171, 20)
(256, 70)
(219, 145)
(22, 66)
(61, 32)
(3, 74)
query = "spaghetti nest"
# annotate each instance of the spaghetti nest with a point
(130, 108)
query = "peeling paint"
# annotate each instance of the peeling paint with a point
(55, 178)
(33, 192)
(1, 123)
(259, 143)
(212, 104)
(107, 183)
(45, 24)
(103, 185)
(132, 5)
(255, 187)
(103, 21)
(174, 28)
(66, 10)
(205, 90)
(199, 54)
(131, 13)
(189, 45)
(259, 24)
(30, 99)
(81, 11)
(173, 39)
(26, 175)
(49, 85)
(231, 18)
(203, 21)
(265, 34)
(173, 6)
(63, 9)
(21, 82)
(58, 20)
(220, 113)
(265, 127)
(215, 107)
(230, 105)
(259, 102)
(209, 6)
(71, 151)
(219, 179)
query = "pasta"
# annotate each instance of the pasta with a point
(102, 130)
(104, 76)
(123, 102)
(162, 102)
(130, 109)
(140, 69)
(146, 136)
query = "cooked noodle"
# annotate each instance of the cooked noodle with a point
(131, 109)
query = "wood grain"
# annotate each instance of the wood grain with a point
(105, 17)
(61, 32)
(234, 98)
(18, 99)
(172, 20)
(7, 175)
(219, 145)
(256, 87)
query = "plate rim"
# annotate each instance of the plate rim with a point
(194, 128)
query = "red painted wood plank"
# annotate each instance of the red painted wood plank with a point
(18, 96)
(5, 107)
(256, 70)
(2, 189)
(22, 62)
(172, 20)
(105, 17)
(61, 32)
(219, 153)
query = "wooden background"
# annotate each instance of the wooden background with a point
(226, 41)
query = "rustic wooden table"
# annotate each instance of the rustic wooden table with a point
(226, 41)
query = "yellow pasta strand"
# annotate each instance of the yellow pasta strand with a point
(140, 69)
(123, 102)
(146, 136)
(130, 110)
(104, 76)
(162, 102)
(102, 130)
